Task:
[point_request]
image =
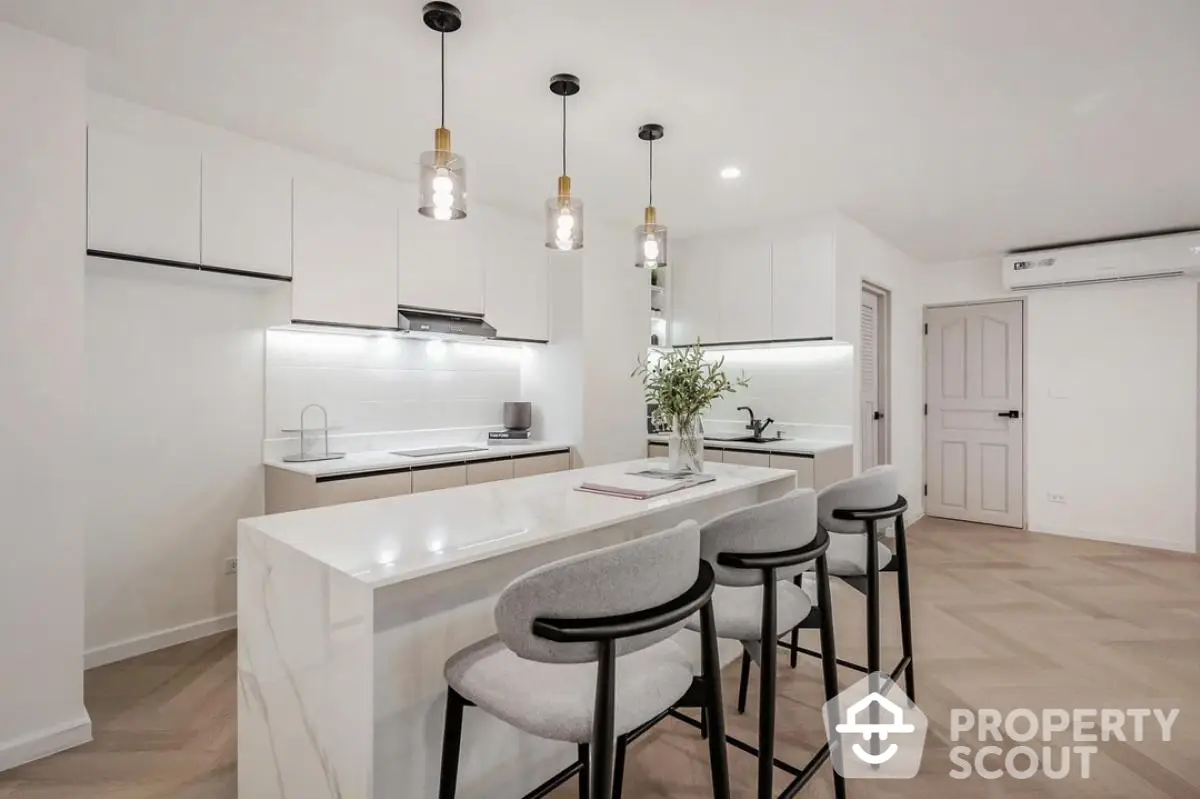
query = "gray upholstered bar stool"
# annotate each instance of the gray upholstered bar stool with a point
(755, 553)
(583, 655)
(855, 512)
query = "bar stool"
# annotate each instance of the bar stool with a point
(854, 512)
(583, 655)
(755, 552)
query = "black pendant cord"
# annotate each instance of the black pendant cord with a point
(443, 80)
(564, 135)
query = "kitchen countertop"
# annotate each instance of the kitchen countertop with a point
(787, 446)
(382, 460)
(385, 541)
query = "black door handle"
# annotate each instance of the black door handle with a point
(1010, 414)
(877, 415)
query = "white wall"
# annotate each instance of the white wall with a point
(581, 383)
(807, 389)
(1111, 382)
(861, 255)
(616, 325)
(383, 384)
(42, 167)
(175, 419)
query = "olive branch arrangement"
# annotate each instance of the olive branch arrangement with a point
(682, 384)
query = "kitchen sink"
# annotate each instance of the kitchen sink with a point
(743, 439)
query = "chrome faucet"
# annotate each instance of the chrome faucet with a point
(324, 426)
(759, 426)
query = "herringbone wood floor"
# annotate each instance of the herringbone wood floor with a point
(1004, 619)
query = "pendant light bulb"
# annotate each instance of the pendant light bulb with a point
(442, 178)
(650, 238)
(564, 213)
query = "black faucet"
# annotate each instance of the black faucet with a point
(759, 426)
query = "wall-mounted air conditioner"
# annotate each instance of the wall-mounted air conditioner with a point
(1129, 259)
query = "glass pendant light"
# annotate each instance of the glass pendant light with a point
(564, 213)
(442, 178)
(650, 238)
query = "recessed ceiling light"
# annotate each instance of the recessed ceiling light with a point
(731, 172)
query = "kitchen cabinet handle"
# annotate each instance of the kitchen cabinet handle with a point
(1010, 414)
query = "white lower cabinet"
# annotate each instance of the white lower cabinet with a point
(744, 458)
(357, 489)
(288, 491)
(802, 466)
(438, 478)
(489, 471)
(541, 464)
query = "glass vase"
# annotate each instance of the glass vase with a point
(685, 448)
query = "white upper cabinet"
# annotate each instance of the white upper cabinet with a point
(744, 288)
(803, 291)
(695, 300)
(345, 245)
(517, 277)
(143, 197)
(247, 216)
(441, 263)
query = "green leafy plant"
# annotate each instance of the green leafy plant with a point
(682, 383)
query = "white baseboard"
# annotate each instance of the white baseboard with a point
(44, 743)
(1150, 543)
(142, 644)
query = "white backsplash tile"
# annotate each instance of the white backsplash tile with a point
(384, 392)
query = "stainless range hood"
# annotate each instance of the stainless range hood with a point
(428, 320)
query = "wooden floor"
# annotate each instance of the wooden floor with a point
(1004, 619)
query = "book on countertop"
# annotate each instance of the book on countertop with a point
(633, 486)
(508, 435)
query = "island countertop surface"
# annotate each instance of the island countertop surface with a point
(385, 541)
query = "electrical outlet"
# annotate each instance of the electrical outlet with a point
(1059, 498)
(231, 565)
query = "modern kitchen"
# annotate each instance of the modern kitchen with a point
(404, 404)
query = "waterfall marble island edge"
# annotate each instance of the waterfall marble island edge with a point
(347, 614)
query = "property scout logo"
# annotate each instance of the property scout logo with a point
(876, 732)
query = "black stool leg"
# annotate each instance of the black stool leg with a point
(905, 608)
(451, 739)
(710, 667)
(704, 723)
(604, 723)
(585, 771)
(618, 768)
(744, 684)
(873, 647)
(766, 687)
(795, 645)
(829, 668)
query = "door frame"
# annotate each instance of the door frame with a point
(883, 357)
(1024, 394)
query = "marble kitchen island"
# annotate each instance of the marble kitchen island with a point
(347, 614)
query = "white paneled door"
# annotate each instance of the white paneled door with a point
(973, 384)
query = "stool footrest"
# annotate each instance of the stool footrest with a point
(551, 785)
(800, 774)
(900, 667)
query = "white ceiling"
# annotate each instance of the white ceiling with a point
(951, 127)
